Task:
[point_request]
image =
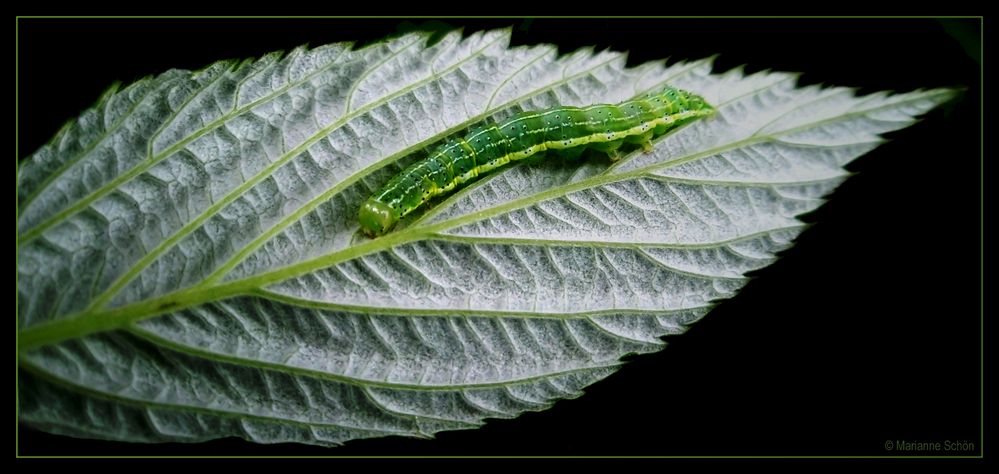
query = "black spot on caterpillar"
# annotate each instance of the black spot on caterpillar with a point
(566, 130)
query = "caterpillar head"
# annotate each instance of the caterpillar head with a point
(684, 100)
(697, 103)
(376, 218)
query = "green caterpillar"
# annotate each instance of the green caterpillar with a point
(567, 130)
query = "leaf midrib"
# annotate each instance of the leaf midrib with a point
(260, 240)
(84, 323)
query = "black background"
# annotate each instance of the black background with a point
(867, 330)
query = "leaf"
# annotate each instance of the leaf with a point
(189, 266)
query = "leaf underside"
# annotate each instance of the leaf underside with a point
(190, 268)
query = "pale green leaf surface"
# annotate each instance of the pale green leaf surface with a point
(190, 268)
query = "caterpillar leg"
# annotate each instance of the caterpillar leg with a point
(645, 140)
(610, 148)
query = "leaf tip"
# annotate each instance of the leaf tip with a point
(949, 94)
